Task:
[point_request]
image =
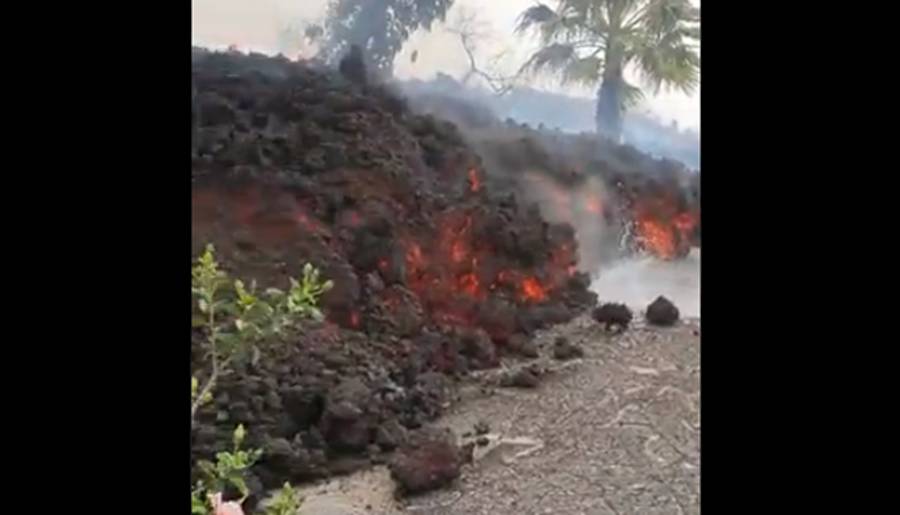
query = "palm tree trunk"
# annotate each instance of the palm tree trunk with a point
(609, 97)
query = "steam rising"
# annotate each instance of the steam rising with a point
(637, 282)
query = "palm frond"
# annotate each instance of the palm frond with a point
(661, 16)
(657, 37)
(585, 71)
(535, 15)
(631, 95)
(552, 57)
(675, 67)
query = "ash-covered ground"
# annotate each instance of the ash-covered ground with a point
(615, 432)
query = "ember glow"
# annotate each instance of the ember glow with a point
(532, 290)
(304, 221)
(664, 228)
(593, 205)
(686, 223)
(474, 181)
(414, 260)
(469, 284)
(657, 238)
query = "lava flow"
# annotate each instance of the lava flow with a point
(474, 181)
(409, 249)
(532, 290)
(664, 226)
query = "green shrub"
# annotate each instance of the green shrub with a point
(234, 322)
(286, 502)
(229, 469)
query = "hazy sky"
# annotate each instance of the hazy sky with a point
(256, 24)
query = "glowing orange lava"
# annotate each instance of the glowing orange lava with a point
(469, 284)
(414, 259)
(474, 181)
(657, 238)
(532, 290)
(685, 222)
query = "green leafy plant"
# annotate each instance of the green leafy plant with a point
(199, 502)
(230, 467)
(303, 296)
(235, 320)
(286, 502)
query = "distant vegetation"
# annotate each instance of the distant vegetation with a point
(571, 114)
(596, 41)
(379, 27)
(588, 42)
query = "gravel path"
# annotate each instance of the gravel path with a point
(617, 432)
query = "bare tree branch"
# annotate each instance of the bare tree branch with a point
(470, 31)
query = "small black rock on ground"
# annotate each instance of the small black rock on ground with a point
(613, 315)
(662, 312)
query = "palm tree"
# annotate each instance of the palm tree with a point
(591, 41)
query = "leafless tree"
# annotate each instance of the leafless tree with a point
(472, 31)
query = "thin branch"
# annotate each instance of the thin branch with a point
(466, 30)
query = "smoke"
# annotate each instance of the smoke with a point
(638, 281)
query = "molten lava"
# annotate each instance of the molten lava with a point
(414, 259)
(474, 181)
(657, 238)
(532, 290)
(469, 284)
(686, 223)
(663, 227)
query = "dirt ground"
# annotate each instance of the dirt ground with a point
(616, 432)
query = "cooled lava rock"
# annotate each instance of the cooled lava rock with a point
(430, 460)
(613, 315)
(564, 350)
(390, 435)
(477, 346)
(523, 346)
(526, 377)
(348, 420)
(436, 253)
(662, 312)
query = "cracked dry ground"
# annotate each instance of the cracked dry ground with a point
(617, 432)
